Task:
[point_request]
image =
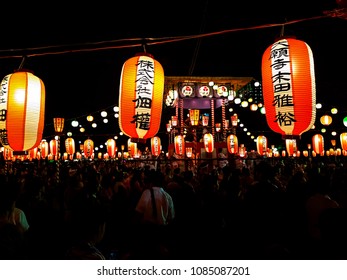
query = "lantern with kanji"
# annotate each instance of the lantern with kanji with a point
(141, 97)
(232, 144)
(261, 145)
(155, 146)
(208, 142)
(88, 148)
(289, 89)
(180, 146)
(343, 140)
(22, 110)
(318, 144)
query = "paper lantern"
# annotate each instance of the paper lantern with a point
(44, 148)
(111, 147)
(141, 97)
(132, 148)
(318, 144)
(194, 115)
(261, 145)
(22, 110)
(343, 140)
(53, 147)
(88, 148)
(326, 120)
(155, 146)
(58, 124)
(70, 146)
(32, 153)
(289, 89)
(291, 147)
(232, 144)
(208, 142)
(180, 146)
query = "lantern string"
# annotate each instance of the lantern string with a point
(132, 42)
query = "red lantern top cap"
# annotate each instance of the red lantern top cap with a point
(23, 70)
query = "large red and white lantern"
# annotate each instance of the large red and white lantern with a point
(318, 144)
(208, 142)
(141, 97)
(180, 145)
(261, 145)
(289, 90)
(155, 146)
(22, 110)
(232, 144)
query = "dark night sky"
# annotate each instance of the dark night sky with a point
(83, 82)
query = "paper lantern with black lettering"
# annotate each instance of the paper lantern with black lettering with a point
(208, 142)
(22, 110)
(289, 89)
(232, 144)
(155, 146)
(141, 93)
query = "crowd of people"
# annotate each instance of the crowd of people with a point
(110, 210)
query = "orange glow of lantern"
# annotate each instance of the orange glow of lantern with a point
(289, 90)
(132, 148)
(261, 145)
(234, 120)
(141, 97)
(189, 152)
(44, 148)
(58, 124)
(343, 140)
(53, 147)
(32, 153)
(180, 146)
(23, 106)
(208, 142)
(232, 144)
(111, 147)
(318, 144)
(88, 148)
(194, 115)
(326, 120)
(155, 146)
(291, 147)
(70, 145)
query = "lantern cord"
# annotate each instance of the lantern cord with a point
(144, 46)
(22, 62)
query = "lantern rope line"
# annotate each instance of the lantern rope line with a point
(138, 42)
